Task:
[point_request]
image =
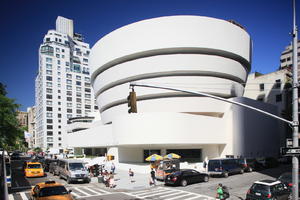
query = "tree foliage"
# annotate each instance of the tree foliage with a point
(10, 131)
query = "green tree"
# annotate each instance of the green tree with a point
(10, 131)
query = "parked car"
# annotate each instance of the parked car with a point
(250, 164)
(184, 177)
(268, 189)
(73, 170)
(287, 179)
(224, 167)
(53, 167)
(50, 190)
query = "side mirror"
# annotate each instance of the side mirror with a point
(70, 191)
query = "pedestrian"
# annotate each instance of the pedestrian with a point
(220, 192)
(113, 168)
(153, 178)
(111, 180)
(131, 174)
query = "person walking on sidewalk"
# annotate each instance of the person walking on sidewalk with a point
(153, 178)
(131, 174)
(220, 193)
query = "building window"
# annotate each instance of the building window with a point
(78, 105)
(59, 109)
(49, 127)
(59, 132)
(48, 66)
(67, 63)
(78, 94)
(49, 115)
(69, 98)
(59, 85)
(278, 83)
(62, 50)
(78, 100)
(50, 145)
(58, 91)
(69, 110)
(48, 78)
(48, 60)
(87, 90)
(49, 103)
(58, 73)
(87, 79)
(47, 39)
(59, 138)
(69, 87)
(87, 106)
(278, 98)
(78, 88)
(69, 116)
(49, 133)
(261, 87)
(48, 84)
(59, 115)
(69, 81)
(57, 56)
(58, 62)
(59, 97)
(48, 90)
(69, 93)
(87, 84)
(59, 103)
(85, 60)
(87, 95)
(49, 121)
(69, 75)
(78, 77)
(58, 80)
(59, 126)
(58, 67)
(59, 144)
(69, 105)
(78, 111)
(49, 108)
(49, 72)
(59, 121)
(49, 139)
(48, 96)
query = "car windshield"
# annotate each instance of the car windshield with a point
(51, 191)
(34, 166)
(76, 166)
(260, 188)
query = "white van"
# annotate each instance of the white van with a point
(73, 171)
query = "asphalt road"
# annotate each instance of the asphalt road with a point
(238, 186)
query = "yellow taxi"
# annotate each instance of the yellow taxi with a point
(50, 190)
(34, 169)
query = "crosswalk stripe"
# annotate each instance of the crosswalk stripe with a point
(11, 197)
(102, 190)
(81, 191)
(180, 196)
(149, 191)
(87, 188)
(164, 192)
(75, 194)
(209, 198)
(178, 192)
(24, 197)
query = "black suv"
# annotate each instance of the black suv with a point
(184, 177)
(268, 190)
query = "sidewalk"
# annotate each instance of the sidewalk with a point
(122, 180)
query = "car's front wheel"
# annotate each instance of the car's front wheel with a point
(206, 178)
(183, 183)
(225, 174)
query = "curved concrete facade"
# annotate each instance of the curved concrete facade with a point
(199, 53)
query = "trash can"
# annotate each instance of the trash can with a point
(100, 179)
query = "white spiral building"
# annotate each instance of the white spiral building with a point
(192, 52)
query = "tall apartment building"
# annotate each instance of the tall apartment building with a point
(22, 118)
(286, 58)
(62, 86)
(31, 126)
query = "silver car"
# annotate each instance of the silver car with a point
(73, 171)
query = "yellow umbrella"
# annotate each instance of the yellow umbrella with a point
(172, 156)
(154, 157)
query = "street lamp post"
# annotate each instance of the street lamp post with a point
(295, 106)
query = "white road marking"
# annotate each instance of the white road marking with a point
(81, 191)
(158, 194)
(24, 197)
(149, 191)
(11, 197)
(177, 192)
(88, 188)
(75, 194)
(180, 196)
(102, 190)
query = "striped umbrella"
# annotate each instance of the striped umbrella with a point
(172, 156)
(154, 157)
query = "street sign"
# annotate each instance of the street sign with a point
(294, 151)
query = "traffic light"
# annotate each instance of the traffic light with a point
(131, 99)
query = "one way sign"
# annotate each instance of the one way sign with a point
(295, 151)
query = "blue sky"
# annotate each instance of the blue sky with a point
(24, 24)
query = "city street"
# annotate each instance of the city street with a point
(238, 186)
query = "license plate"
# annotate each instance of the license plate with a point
(257, 194)
(80, 179)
